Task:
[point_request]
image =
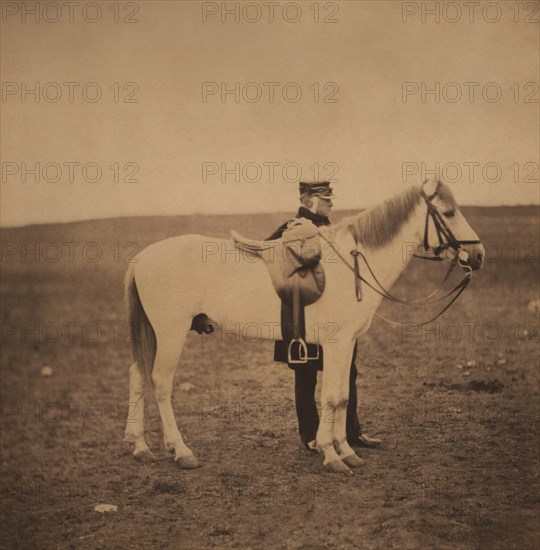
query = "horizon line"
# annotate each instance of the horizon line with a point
(194, 214)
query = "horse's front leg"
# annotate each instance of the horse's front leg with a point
(331, 436)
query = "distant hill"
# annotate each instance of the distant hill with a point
(257, 226)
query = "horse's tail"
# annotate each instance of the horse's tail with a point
(142, 334)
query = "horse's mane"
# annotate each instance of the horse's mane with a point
(377, 226)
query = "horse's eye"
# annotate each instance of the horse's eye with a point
(449, 214)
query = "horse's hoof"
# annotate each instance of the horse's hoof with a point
(187, 462)
(353, 461)
(145, 455)
(338, 467)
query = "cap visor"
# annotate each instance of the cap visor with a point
(328, 197)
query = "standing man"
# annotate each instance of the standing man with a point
(316, 204)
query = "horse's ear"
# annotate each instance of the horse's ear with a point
(430, 186)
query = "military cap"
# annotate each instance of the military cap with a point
(320, 189)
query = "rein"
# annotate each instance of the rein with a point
(446, 240)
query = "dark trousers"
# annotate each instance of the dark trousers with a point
(304, 391)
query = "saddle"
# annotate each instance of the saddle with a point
(293, 262)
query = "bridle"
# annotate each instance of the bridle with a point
(446, 240)
(444, 233)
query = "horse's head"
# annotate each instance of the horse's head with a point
(447, 233)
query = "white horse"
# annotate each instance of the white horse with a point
(180, 277)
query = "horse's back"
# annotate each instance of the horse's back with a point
(200, 274)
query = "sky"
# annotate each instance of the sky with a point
(351, 102)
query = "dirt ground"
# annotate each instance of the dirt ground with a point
(456, 406)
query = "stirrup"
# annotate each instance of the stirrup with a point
(301, 356)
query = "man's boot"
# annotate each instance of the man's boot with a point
(305, 382)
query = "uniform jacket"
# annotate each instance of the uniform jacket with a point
(302, 213)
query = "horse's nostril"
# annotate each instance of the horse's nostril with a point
(479, 256)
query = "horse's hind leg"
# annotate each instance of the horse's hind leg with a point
(135, 420)
(169, 348)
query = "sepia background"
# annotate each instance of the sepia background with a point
(152, 119)
(339, 98)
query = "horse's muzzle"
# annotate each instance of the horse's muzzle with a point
(475, 255)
